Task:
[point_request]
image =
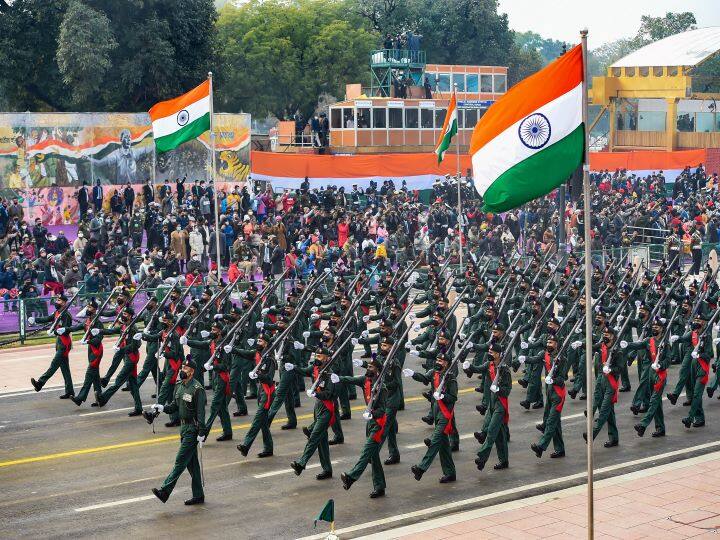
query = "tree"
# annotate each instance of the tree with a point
(83, 53)
(656, 28)
(548, 49)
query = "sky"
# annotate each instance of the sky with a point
(606, 20)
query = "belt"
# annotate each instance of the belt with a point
(188, 422)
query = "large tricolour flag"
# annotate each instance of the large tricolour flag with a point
(532, 139)
(181, 119)
(449, 130)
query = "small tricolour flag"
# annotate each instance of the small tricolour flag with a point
(532, 139)
(327, 514)
(181, 119)
(449, 130)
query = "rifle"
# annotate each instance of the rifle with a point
(222, 294)
(62, 312)
(129, 302)
(311, 391)
(98, 314)
(133, 322)
(446, 318)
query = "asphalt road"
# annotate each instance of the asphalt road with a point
(76, 471)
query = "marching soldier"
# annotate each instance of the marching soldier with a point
(607, 385)
(173, 354)
(94, 338)
(555, 389)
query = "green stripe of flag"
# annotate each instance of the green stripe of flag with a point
(446, 140)
(537, 175)
(185, 133)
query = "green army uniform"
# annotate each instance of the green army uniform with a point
(685, 379)
(700, 372)
(605, 396)
(284, 392)
(264, 375)
(555, 393)
(95, 354)
(200, 355)
(497, 418)
(641, 398)
(173, 353)
(188, 405)
(656, 381)
(116, 359)
(220, 384)
(130, 349)
(444, 416)
(150, 365)
(61, 359)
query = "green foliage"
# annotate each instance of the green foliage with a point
(83, 52)
(548, 49)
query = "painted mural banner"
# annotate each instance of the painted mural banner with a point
(45, 157)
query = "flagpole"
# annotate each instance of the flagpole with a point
(212, 176)
(457, 156)
(589, 363)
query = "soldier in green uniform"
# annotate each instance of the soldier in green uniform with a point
(555, 390)
(130, 348)
(264, 374)
(291, 358)
(117, 358)
(687, 342)
(94, 338)
(444, 412)
(375, 429)
(498, 415)
(701, 354)
(63, 345)
(150, 365)
(324, 414)
(607, 385)
(172, 353)
(188, 404)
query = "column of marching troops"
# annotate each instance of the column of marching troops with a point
(525, 316)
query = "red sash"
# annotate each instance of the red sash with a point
(367, 389)
(134, 357)
(548, 363)
(653, 350)
(66, 340)
(706, 368)
(378, 435)
(612, 380)
(269, 390)
(97, 353)
(506, 407)
(175, 366)
(662, 376)
(694, 338)
(180, 330)
(225, 376)
(560, 391)
(273, 318)
(258, 358)
(365, 309)
(446, 411)
(330, 406)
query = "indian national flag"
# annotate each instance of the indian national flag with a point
(532, 139)
(449, 130)
(181, 119)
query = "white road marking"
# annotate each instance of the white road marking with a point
(108, 411)
(459, 505)
(14, 393)
(287, 471)
(114, 503)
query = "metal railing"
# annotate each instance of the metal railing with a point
(398, 57)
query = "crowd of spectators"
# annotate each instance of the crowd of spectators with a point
(167, 233)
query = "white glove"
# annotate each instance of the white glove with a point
(82, 312)
(94, 331)
(31, 321)
(548, 294)
(408, 346)
(471, 306)
(259, 325)
(354, 341)
(116, 348)
(560, 319)
(364, 333)
(673, 339)
(716, 327)
(183, 340)
(253, 375)
(694, 354)
(510, 312)
(289, 366)
(512, 334)
(218, 316)
(437, 396)
(548, 380)
(306, 334)
(208, 366)
(638, 303)
(560, 309)
(522, 358)
(469, 345)
(494, 388)
(532, 339)
(716, 340)
(466, 364)
(414, 352)
(524, 345)
(655, 366)
(462, 336)
(310, 393)
(298, 346)
(366, 318)
(623, 344)
(576, 344)
(620, 318)
(157, 408)
(227, 349)
(138, 336)
(406, 283)
(663, 320)
(60, 331)
(314, 317)
(416, 328)
(83, 342)
(407, 372)
(265, 311)
(328, 270)
(334, 378)
(597, 309)
(314, 309)
(251, 342)
(606, 369)
(204, 334)
(317, 301)
(201, 440)
(357, 362)
(673, 303)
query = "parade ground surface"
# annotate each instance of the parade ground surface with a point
(68, 471)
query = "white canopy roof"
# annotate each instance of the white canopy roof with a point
(685, 49)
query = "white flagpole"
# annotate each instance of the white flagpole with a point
(589, 362)
(457, 156)
(212, 176)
